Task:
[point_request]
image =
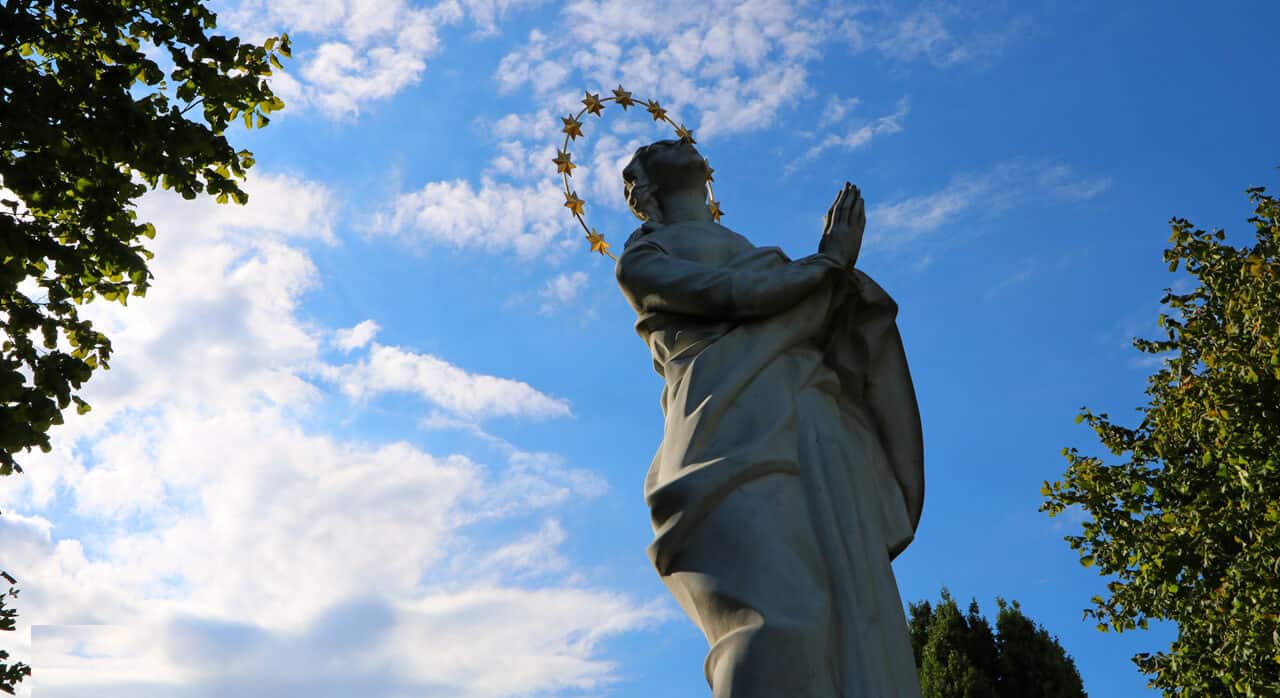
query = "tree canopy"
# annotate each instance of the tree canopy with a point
(89, 120)
(959, 656)
(1188, 524)
(101, 100)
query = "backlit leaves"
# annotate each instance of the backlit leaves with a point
(89, 122)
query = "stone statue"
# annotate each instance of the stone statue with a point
(791, 469)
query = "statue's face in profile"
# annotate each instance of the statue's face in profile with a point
(673, 165)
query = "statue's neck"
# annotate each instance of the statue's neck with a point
(684, 206)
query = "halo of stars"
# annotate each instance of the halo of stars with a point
(595, 104)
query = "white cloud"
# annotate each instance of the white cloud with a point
(222, 539)
(561, 290)
(733, 65)
(354, 52)
(1006, 185)
(528, 220)
(364, 50)
(721, 67)
(470, 395)
(487, 13)
(356, 337)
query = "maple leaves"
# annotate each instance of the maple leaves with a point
(593, 103)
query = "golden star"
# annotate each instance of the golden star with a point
(623, 97)
(685, 134)
(573, 203)
(659, 114)
(715, 210)
(597, 242)
(564, 162)
(593, 104)
(709, 171)
(572, 126)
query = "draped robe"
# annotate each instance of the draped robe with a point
(790, 471)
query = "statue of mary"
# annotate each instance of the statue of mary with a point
(791, 468)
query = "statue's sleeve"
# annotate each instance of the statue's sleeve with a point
(655, 281)
(872, 364)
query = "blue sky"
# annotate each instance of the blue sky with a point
(382, 432)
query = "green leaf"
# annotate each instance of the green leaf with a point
(1193, 489)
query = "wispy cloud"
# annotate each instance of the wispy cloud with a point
(854, 138)
(1006, 185)
(946, 35)
(1017, 278)
(561, 290)
(836, 109)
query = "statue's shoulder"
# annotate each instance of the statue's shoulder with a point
(645, 230)
(696, 233)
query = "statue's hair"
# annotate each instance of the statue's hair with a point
(642, 194)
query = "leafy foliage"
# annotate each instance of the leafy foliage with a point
(88, 121)
(959, 656)
(10, 675)
(1189, 524)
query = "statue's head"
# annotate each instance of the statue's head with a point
(664, 166)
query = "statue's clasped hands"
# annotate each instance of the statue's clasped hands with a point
(843, 226)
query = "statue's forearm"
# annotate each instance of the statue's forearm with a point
(655, 281)
(783, 287)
